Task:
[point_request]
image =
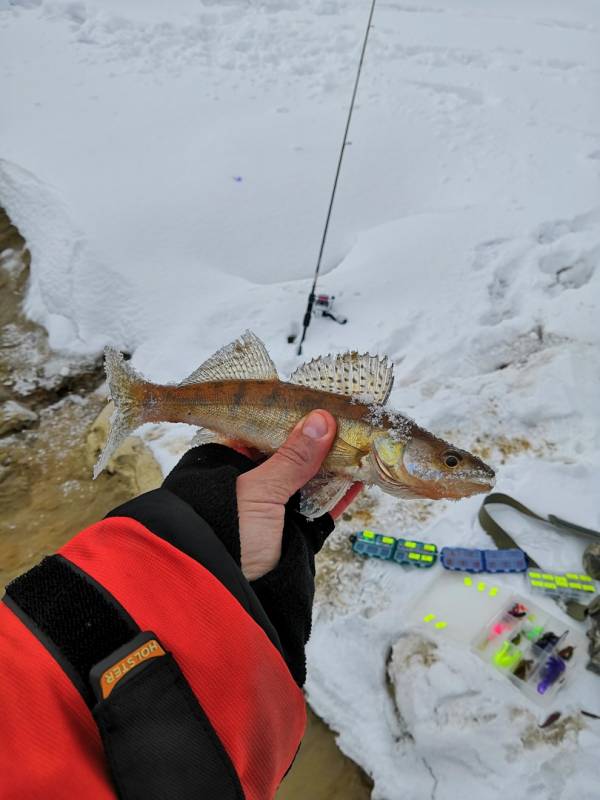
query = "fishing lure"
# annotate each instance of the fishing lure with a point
(518, 611)
(551, 672)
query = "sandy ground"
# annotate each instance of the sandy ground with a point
(321, 772)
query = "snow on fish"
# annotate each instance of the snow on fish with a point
(237, 395)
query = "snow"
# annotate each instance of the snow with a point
(171, 172)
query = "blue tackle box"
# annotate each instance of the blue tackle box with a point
(415, 554)
(408, 552)
(375, 545)
(471, 559)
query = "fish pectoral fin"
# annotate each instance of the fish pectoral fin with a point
(204, 436)
(245, 359)
(364, 377)
(322, 493)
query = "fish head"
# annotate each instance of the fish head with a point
(424, 466)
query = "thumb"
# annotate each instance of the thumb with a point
(297, 460)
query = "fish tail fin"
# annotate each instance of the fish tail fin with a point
(124, 384)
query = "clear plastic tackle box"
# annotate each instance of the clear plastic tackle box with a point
(517, 638)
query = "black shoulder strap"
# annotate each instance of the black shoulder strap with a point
(74, 617)
(504, 540)
(157, 739)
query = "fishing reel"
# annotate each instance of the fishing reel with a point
(319, 305)
(323, 307)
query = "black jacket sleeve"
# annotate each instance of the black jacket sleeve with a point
(205, 479)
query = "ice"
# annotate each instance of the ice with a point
(171, 170)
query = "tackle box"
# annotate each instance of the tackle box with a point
(516, 638)
(408, 552)
(415, 554)
(535, 651)
(470, 559)
(375, 545)
(563, 585)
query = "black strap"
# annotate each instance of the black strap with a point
(503, 540)
(157, 740)
(79, 621)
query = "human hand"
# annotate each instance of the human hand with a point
(263, 491)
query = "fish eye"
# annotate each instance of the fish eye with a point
(451, 459)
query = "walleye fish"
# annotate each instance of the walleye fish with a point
(237, 394)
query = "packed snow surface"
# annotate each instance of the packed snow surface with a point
(170, 167)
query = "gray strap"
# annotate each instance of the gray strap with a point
(503, 540)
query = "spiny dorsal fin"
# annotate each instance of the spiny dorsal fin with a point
(366, 377)
(245, 359)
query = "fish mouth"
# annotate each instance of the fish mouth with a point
(487, 480)
(476, 487)
(471, 485)
(448, 491)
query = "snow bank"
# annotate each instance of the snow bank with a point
(171, 170)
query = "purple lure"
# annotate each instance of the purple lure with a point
(551, 672)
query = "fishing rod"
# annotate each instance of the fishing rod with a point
(311, 296)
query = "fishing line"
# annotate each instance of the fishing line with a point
(311, 296)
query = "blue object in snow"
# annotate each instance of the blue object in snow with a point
(510, 560)
(462, 559)
(403, 551)
(470, 559)
(415, 554)
(369, 543)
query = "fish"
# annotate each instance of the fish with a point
(237, 394)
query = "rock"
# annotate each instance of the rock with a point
(28, 366)
(591, 560)
(451, 709)
(14, 417)
(594, 649)
(594, 636)
(47, 493)
(594, 608)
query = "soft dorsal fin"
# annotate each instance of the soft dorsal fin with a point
(245, 359)
(349, 374)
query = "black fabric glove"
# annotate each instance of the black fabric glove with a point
(287, 592)
(205, 478)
